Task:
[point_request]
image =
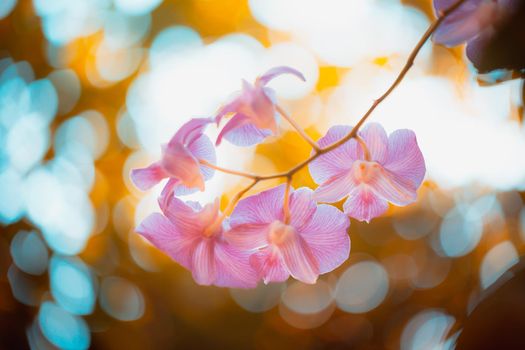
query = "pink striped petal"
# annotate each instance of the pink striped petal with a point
(202, 149)
(167, 192)
(164, 235)
(247, 135)
(203, 262)
(376, 141)
(326, 235)
(231, 107)
(299, 259)
(404, 157)
(145, 178)
(302, 207)
(335, 188)
(181, 164)
(394, 188)
(183, 216)
(460, 26)
(336, 161)
(190, 131)
(233, 268)
(268, 265)
(248, 236)
(275, 72)
(262, 208)
(364, 205)
(237, 121)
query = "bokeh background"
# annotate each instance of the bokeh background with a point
(90, 89)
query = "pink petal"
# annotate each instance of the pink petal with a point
(336, 161)
(335, 188)
(363, 204)
(237, 121)
(326, 235)
(231, 107)
(302, 207)
(209, 213)
(248, 236)
(269, 266)
(299, 259)
(145, 178)
(394, 188)
(462, 25)
(181, 164)
(202, 149)
(245, 135)
(376, 141)
(275, 72)
(203, 262)
(404, 157)
(262, 208)
(167, 237)
(183, 216)
(190, 131)
(167, 192)
(233, 268)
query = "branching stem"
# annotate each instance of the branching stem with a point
(318, 151)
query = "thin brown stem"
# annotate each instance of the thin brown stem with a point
(298, 128)
(318, 151)
(228, 171)
(286, 204)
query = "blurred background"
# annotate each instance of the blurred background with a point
(90, 89)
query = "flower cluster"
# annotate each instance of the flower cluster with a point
(282, 231)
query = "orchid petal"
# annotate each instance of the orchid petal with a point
(299, 259)
(183, 216)
(363, 204)
(161, 232)
(202, 149)
(269, 266)
(247, 135)
(233, 268)
(167, 192)
(461, 25)
(237, 121)
(275, 72)
(376, 141)
(404, 157)
(302, 207)
(181, 164)
(203, 262)
(145, 178)
(394, 188)
(248, 236)
(335, 188)
(326, 235)
(262, 208)
(190, 131)
(337, 160)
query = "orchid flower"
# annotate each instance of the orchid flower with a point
(312, 240)
(253, 110)
(474, 22)
(193, 236)
(180, 161)
(373, 170)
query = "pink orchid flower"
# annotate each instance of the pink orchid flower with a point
(312, 241)
(180, 161)
(391, 169)
(474, 22)
(193, 236)
(253, 111)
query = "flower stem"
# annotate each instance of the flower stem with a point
(286, 204)
(298, 128)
